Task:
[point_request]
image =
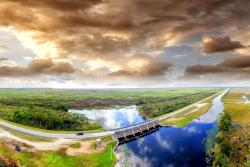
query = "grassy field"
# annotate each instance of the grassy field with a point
(47, 108)
(233, 147)
(52, 131)
(59, 158)
(235, 95)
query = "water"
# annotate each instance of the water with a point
(171, 146)
(113, 118)
(245, 98)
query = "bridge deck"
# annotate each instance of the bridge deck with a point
(139, 128)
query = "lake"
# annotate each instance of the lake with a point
(113, 118)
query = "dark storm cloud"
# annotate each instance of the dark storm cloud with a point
(220, 44)
(3, 59)
(138, 20)
(203, 69)
(238, 62)
(239, 65)
(37, 66)
(65, 5)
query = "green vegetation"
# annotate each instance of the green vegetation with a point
(60, 158)
(232, 146)
(156, 107)
(49, 131)
(223, 147)
(45, 118)
(47, 108)
(184, 118)
(225, 124)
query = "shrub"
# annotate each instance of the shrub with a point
(221, 160)
(225, 122)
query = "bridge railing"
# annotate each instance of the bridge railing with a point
(134, 128)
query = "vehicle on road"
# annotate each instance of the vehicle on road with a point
(80, 134)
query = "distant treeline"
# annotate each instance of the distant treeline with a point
(46, 118)
(156, 107)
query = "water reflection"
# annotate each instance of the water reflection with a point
(213, 113)
(113, 118)
(171, 146)
(245, 98)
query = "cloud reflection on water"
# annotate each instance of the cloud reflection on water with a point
(113, 118)
(171, 146)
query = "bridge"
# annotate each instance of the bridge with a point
(137, 130)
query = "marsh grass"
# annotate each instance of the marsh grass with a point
(232, 146)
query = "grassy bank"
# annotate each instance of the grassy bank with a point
(184, 118)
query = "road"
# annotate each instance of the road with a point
(87, 135)
(56, 135)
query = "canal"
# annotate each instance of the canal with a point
(170, 146)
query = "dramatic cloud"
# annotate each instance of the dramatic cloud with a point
(37, 66)
(97, 28)
(238, 65)
(203, 69)
(112, 39)
(143, 66)
(3, 59)
(219, 44)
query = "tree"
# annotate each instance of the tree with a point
(225, 122)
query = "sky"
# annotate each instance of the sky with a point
(124, 43)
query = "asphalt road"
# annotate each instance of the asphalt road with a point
(56, 135)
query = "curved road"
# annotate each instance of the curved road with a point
(86, 134)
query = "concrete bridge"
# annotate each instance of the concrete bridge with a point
(138, 129)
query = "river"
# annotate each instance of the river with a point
(170, 146)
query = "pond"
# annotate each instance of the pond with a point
(245, 98)
(170, 146)
(113, 118)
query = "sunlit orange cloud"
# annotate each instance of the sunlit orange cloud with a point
(123, 40)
